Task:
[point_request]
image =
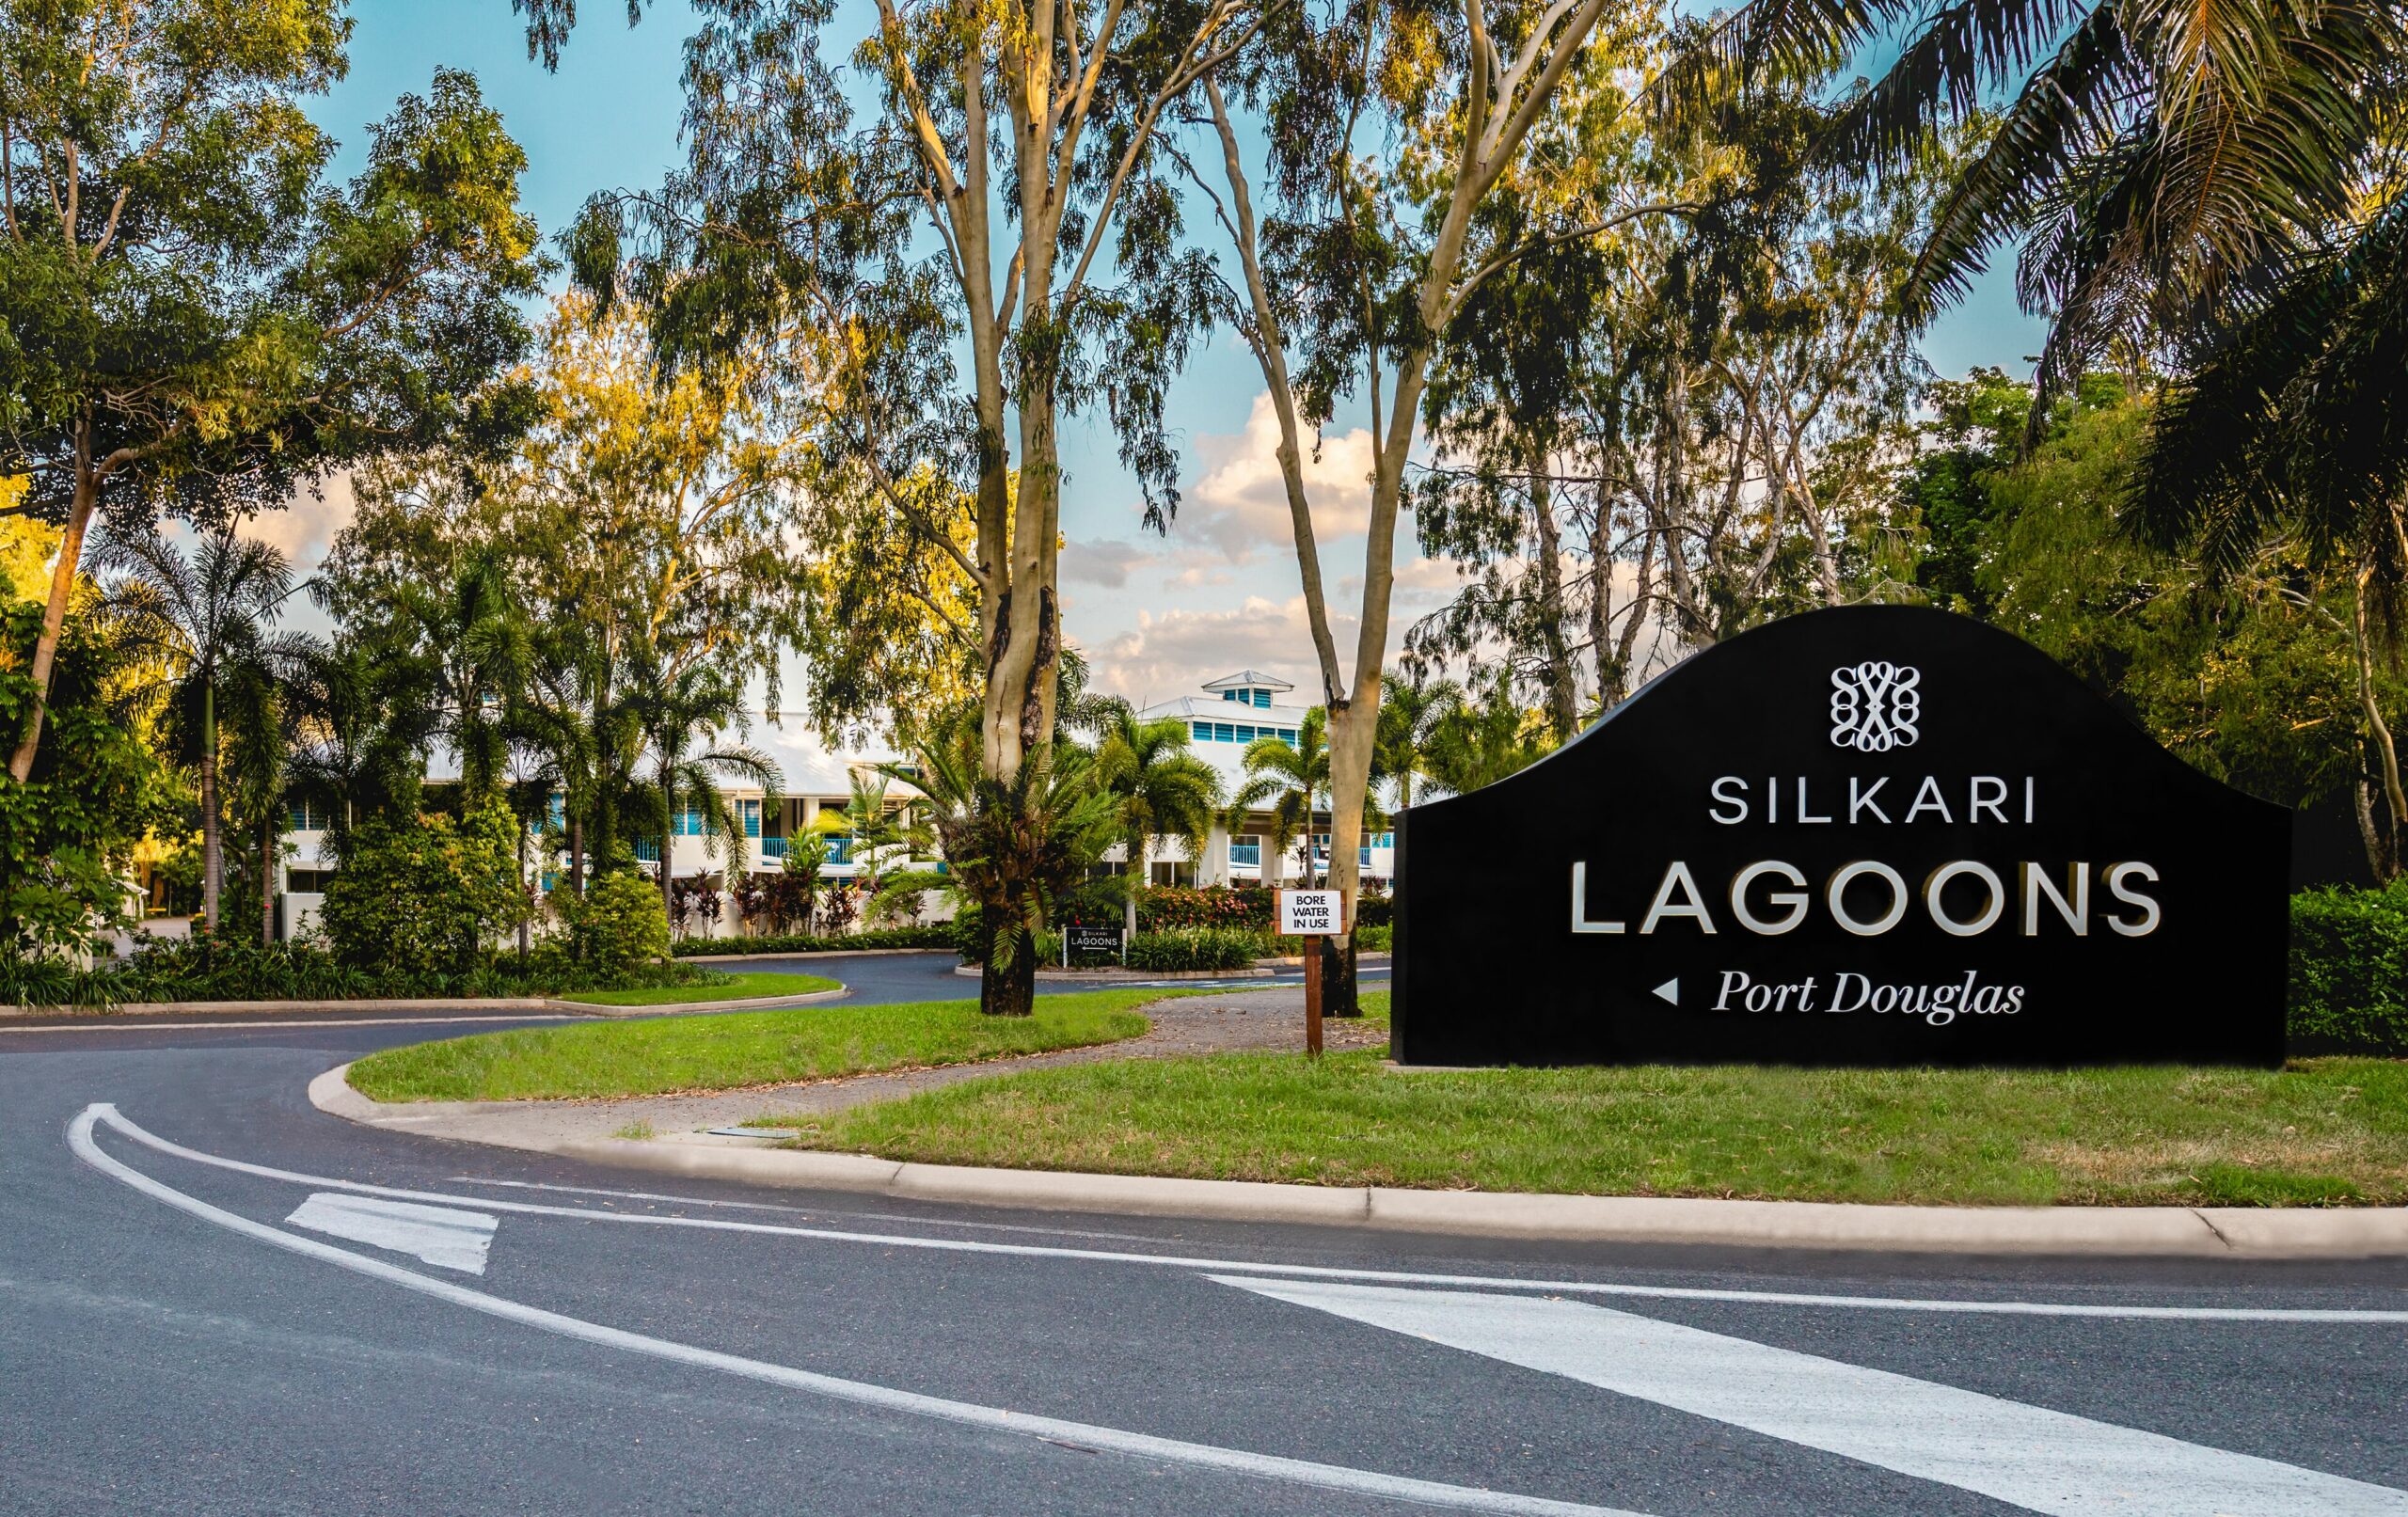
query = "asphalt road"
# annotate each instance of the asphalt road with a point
(178, 1334)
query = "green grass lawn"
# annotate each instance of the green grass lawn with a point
(727, 987)
(735, 1049)
(2326, 1132)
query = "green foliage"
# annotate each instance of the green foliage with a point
(2252, 680)
(1191, 949)
(618, 922)
(937, 936)
(198, 312)
(67, 834)
(1014, 849)
(1167, 907)
(2349, 970)
(236, 966)
(1485, 738)
(1374, 938)
(424, 897)
(1157, 787)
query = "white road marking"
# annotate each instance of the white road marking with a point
(714, 1203)
(986, 1418)
(2027, 1456)
(454, 1238)
(2339, 1315)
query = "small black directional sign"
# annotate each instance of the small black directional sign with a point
(1087, 942)
(1872, 835)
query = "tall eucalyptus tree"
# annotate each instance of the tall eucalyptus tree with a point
(1391, 132)
(1005, 199)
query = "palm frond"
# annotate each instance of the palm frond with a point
(2065, 112)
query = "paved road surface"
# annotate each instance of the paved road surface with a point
(218, 1305)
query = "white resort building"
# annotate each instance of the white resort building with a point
(1223, 720)
(1231, 713)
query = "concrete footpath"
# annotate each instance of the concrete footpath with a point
(681, 1144)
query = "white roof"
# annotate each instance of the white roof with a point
(807, 764)
(1215, 709)
(1248, 679)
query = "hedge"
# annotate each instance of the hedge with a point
(2349, 970)
(939, 935)
(1191, 949)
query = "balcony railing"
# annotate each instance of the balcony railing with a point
(773, 847)
(1248, 855)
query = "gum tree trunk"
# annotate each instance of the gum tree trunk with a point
(54, 616)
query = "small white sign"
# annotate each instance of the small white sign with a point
(1311, 913)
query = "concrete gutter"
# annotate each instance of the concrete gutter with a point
(2194, 1232)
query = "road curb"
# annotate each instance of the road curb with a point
(806, 953)
(975, 972)
(811, 997)
(2216, 1232)
(455, 1003)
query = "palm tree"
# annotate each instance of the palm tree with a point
(676, 713)
(2159, 163)
(1410, 716)
(1158, 789)
(1013, 846)
(1291, 779)
(1479, 743)
(563, 713)
(211, 612)
(479, 640)
(358, 719)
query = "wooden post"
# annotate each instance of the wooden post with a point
(1312, 998)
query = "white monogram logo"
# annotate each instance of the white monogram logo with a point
(1875, 706)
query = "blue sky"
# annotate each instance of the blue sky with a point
(1155, 614)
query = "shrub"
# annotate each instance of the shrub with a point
(236, 966)
(1187, 949)
(2349, 970)
(618, 924)
(942, 935)
(1164, 908)
(1374, 938)
(1375, 910)
(423, 897)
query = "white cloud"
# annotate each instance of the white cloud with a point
(1173, 653)
(1240, 503)
(305, 528)
(1102, 561)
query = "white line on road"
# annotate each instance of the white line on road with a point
(711, 1203)
(2027, 1456)
(986, 1418)
(454, 1238)
(2338, 1315)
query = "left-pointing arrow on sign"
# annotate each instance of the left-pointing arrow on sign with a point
(1669, 990)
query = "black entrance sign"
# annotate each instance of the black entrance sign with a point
(1872, 835)
(1078, 940)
